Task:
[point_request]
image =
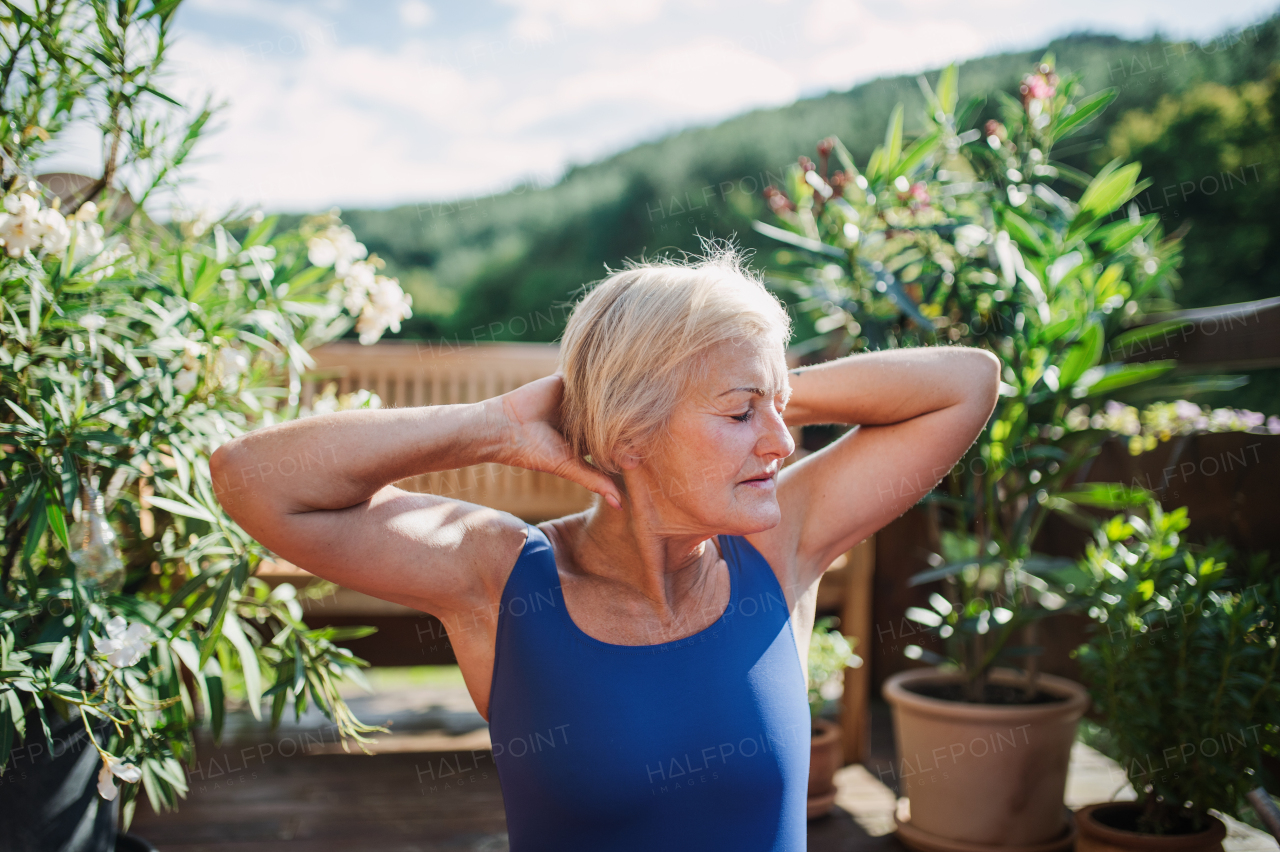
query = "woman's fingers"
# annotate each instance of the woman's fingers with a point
(593, 480)
(533, 411)
(547, 451)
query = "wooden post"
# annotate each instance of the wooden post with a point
(855, 622)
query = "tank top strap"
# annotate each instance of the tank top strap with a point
(534, 582)
(758, 588)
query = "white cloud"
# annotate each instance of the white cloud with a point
(416, 14)
(859, 45)
(705, 77)
(540, 19)
(330, 103)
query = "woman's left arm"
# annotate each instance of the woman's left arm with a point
(917, 412)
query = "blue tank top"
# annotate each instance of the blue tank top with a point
(699, 743)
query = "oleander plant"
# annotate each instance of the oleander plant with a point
(975, 234)
(130, 350)
(1183, 664)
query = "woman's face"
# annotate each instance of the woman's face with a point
(716, 470)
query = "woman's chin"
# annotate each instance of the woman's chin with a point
(758, 515)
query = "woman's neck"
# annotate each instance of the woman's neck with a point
(662, 561)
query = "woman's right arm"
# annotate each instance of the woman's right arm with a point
(318, 492)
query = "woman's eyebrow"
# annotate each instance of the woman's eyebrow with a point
(753, 391)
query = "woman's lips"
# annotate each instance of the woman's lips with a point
(759, 482)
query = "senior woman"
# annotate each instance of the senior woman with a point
(641, 663)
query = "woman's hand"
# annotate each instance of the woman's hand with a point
(528, 421)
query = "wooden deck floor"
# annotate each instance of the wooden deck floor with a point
(432, 787)
(314, 800)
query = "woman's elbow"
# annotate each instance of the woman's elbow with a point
(988, 375)
(223, 465)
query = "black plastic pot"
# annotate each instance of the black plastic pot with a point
(50, 800)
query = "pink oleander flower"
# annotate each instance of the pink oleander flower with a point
(1037, 86)
(1251, 419)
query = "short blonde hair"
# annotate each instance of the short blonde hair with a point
(633, 347)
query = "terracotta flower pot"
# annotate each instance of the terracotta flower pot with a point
(826, 755)
(1097, 836)
(984, 776)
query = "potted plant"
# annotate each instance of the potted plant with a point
(974, 234)
(1183, 664)
(129, 613)
(830, 653)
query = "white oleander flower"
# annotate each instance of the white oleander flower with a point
(232, 363)
(90, 240)
(387, 304)
(193, 223)
(969, 237)
(26, 226)
(336, 246)
(185, 381)
(56, 234)
(360, 278)
(191, 352)
(125, 643)
(114, 766)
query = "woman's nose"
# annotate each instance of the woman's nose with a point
(777, 439)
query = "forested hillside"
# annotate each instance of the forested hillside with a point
(503, 267)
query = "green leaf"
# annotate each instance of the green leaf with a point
(30, 421)
(1117, 235)
(949, 88)
(173, 506)
(57, 522)
(948, 570)
(1107, 495)
(335, 633)
(217, 706)
(1114, 376)
(919, 149)
(1082, 355)
(39, 522)
(232, 629)
(1134, 340)
(201, 579)
(1114, 185)
(970, 109)
(1085, 111)
(1024, 232)
(277, 704)
(893, 140)
(216, 614)
(261, 232)
(1186, 388)
(798, 241)
(6, 735)
(59, 656)
(845, 158)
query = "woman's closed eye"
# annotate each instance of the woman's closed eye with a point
(745, 416)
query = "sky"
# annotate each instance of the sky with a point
(371, 103)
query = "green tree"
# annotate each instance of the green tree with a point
(1212, 155)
